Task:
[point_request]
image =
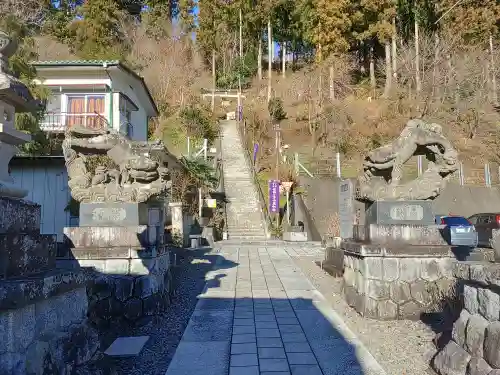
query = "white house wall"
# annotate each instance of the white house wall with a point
(47, 186)
(139, 118)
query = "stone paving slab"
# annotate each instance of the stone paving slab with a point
(126, 346)
(260, 315)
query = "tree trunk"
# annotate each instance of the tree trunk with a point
(388, 70)
(283, 57)
(213, 80)
(373, 81)
(332, 83)
(417, 62)
(394, 51)
(320, 80)
(259, 57)
(493, 72)
(270, 58)
(435, 67)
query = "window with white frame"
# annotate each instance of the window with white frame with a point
(86, 110)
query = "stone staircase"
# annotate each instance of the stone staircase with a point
(244, 215)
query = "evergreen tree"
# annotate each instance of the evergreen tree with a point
(97, 31)
(471, 21)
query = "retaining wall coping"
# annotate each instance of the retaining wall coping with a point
(22, 291)
(484, 273)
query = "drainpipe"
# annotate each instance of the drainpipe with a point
(111, 107)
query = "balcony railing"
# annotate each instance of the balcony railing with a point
(60, 121)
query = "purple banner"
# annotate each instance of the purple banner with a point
(240, 113)
(255, 150)
(274, 196)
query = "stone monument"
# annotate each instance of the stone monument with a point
(122, 187)
(397, 254)
(43, 310)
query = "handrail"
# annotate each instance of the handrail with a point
(60, 121)
(220, 168)
(264, 210)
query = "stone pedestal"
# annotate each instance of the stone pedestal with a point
(396, 262)
(295, 234)
(132, 274)
(43, 311)
(475, 344)
(390, 283)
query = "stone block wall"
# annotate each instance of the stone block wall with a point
(394, 287)
(132, 271)
(475, 345)
(43, 310)
(143, 291)
(47, 331)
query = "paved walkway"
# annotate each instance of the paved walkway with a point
(260, 315)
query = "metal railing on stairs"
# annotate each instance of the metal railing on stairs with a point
(266, 217)
(219, 170)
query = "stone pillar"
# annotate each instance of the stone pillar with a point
(178, 223)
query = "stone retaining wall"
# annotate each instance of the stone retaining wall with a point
(131, 296)
(398, 286)
(475, 345)
(49, 336)
(132, 277)
(43, 310)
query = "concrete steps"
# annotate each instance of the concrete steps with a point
(244, 218)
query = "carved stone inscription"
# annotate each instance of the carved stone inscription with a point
(104, 214)
(413, 212)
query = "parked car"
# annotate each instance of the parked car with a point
(458, 231)
(485, 223)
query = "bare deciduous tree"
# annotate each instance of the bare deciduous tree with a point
(29, 12)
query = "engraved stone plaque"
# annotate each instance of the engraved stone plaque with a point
(108, 214)
(400, 212)
(113, 214)
(406, 212)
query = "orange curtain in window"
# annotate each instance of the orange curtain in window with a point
(95, 108)
(76, 108)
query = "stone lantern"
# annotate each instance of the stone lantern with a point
(14, 97)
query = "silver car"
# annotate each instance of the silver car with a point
(458, 231)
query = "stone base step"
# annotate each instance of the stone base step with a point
(243, 231)
(249, 238)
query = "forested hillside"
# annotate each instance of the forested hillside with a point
(348, 72)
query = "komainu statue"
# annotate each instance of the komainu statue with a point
(138, 175)
(382, 167)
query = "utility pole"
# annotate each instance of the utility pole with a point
(278, 143)
(240, 109)
(270, 58)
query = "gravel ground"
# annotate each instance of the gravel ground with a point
(401, 347)
(165, 330)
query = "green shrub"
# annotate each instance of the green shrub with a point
(276, 111)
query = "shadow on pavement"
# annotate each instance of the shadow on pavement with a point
(230, 320)
(245, 324)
